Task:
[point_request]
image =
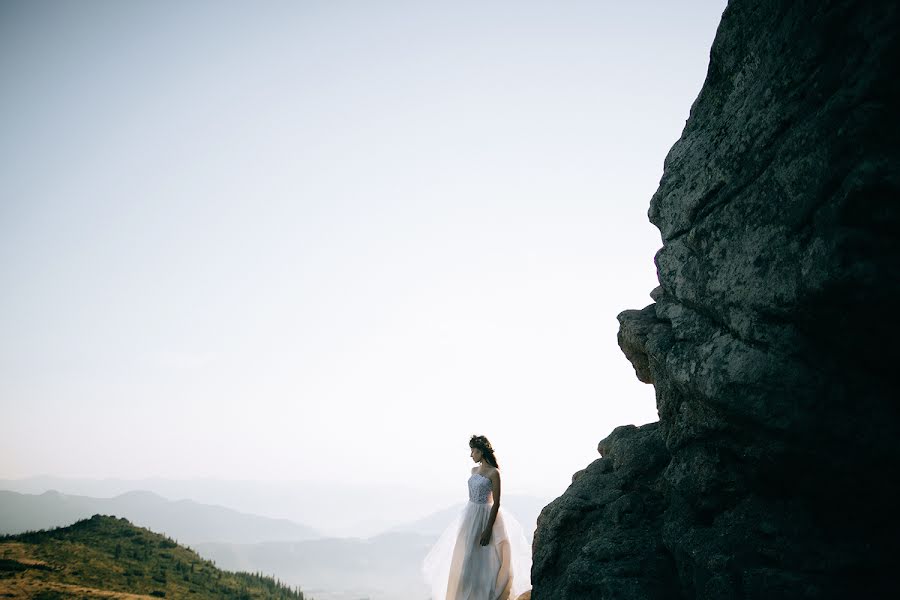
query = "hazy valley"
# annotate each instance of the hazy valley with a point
(383, 565)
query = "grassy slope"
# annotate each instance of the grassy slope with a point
(106, 557)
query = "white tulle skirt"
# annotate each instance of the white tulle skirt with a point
(458, 567)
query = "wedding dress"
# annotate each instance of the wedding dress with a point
(458, 567)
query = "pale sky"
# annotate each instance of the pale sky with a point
(330, 240)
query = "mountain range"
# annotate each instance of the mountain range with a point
(184, 520)
(337, 509)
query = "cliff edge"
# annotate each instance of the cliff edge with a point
(772, 472)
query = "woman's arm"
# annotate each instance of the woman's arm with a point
(495, 482)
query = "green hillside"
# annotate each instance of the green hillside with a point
(106, 557)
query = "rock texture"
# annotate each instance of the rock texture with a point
(773, 470)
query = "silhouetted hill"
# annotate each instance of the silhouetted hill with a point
(105, 556)
(184, 520)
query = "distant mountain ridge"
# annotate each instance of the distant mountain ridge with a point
(184, 520)
(333, 509)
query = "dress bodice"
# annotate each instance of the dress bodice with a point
(480, 489)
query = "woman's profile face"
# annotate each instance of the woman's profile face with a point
(476, 454)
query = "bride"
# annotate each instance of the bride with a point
(483, 554)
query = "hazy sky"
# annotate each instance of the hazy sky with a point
(330, 240)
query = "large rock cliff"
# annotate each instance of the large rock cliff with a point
(773, 470)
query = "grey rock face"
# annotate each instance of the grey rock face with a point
(773, 470)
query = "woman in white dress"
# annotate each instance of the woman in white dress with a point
(483, 554)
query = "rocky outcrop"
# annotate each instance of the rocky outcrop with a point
(772, 472)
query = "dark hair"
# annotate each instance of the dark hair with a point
(482, 443)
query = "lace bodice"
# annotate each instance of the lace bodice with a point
(480, 489)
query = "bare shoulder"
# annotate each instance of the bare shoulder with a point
(493, 473)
